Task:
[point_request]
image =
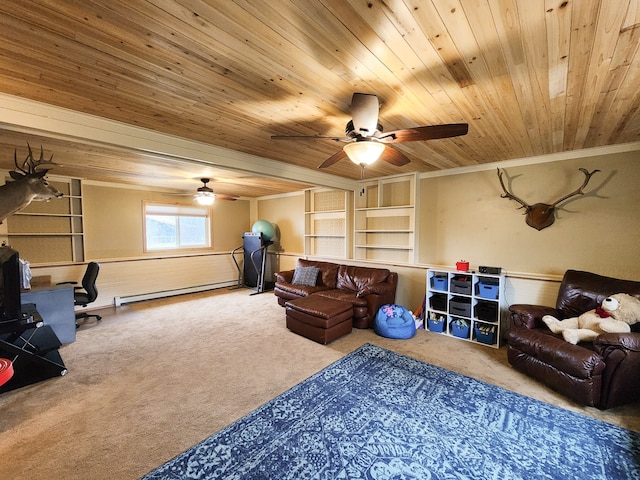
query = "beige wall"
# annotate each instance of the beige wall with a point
(113, 222)
(461, 216)
(287, 213)
(230, 221)
(464, 217)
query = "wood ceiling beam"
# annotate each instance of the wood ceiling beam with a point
(20, 114)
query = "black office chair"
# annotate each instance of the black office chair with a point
(88, 293)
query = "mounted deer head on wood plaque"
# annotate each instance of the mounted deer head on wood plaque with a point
(542, 215)
(29, 183)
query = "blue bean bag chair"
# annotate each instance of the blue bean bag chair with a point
(394, 321)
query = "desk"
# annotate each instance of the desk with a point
(55, 305)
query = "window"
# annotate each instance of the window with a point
(171, 227)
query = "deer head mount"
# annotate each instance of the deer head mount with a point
(542, 215)
(28, 184)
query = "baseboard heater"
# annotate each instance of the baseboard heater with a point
(170, 293)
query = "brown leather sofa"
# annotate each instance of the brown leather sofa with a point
(602, 374)
(366, 288)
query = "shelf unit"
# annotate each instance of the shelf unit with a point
(328, 223)
(385, 220)
(46, 232)
(457, 298)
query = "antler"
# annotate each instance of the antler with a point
(15, 162)
(30, 164)
(508, 194)
(579, 190)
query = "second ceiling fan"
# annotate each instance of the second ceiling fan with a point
(205, 195)
(365, 140)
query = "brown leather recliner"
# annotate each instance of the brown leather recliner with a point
(602, 374)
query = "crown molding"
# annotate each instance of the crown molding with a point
(547, 158)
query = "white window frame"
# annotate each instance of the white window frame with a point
(177, 211)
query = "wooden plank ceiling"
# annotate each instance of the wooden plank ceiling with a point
(529, 77)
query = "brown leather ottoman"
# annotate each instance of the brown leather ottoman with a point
(319, 319)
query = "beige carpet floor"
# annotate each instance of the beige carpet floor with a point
(156, 377)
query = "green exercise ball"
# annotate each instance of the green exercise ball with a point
(266, 228)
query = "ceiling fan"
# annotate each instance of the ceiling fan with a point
(365, 140)
(205, 195)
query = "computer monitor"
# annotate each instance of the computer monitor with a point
(10, 302)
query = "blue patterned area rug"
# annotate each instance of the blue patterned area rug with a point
(378, 415)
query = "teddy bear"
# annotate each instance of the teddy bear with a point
(616, 314)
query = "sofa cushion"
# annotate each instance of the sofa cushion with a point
(291, 291)
(360, 279)
(305, 276)
(343, 295)
(328, 271)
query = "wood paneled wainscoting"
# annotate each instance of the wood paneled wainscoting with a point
(127, 280)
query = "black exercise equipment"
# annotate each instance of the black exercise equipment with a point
(33, 350)
(253, 272)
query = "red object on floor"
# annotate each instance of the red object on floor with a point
(6, 370)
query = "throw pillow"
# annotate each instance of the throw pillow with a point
(305, 276)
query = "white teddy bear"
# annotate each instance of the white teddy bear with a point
(617, 313)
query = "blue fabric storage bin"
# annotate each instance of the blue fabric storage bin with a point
(486, 334)
(488, 289)
(436, 325)
(460, 331)
(439, 282)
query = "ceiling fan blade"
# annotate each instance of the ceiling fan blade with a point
(394, 157)
(177, 194)
(311, 137)
(430, 132)
(364, 112)
(223, 196)
(336, 157)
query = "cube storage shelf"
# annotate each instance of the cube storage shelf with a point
(466, 305)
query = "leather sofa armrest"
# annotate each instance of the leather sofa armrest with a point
(285, 276)
(376, 296)
(621, 377)
(556, 353)
(374, 302)
(383, 289)
(530, 316)
(607, 342)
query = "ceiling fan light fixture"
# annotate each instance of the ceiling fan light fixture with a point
(363, 153)
(205, 198)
